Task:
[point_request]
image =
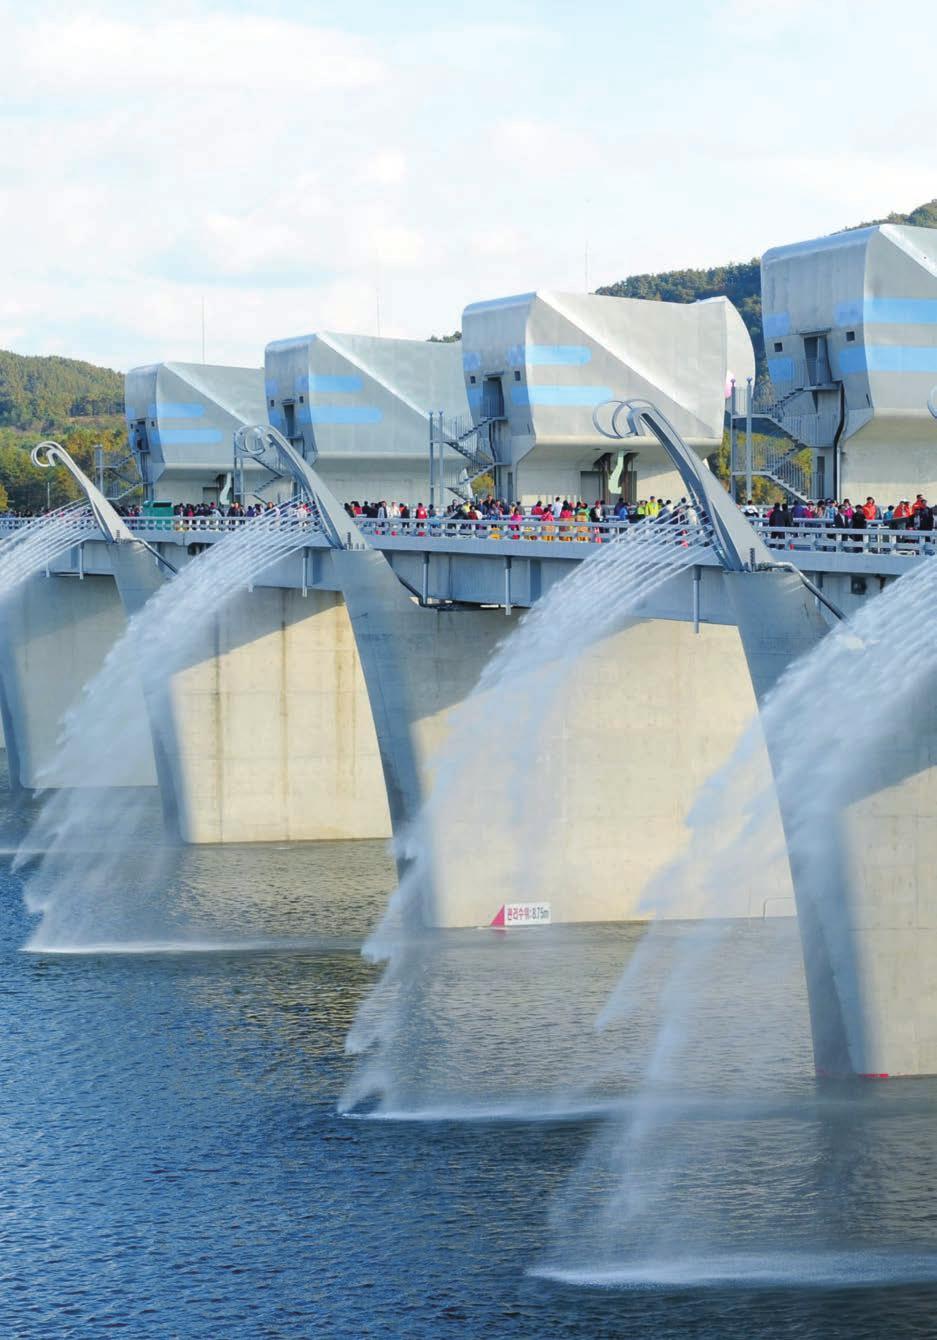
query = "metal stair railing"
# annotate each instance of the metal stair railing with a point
(464, 437)
(782, 468)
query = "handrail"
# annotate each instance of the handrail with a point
(547, 529)
(877, 540)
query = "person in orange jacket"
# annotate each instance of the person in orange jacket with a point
(902, 515)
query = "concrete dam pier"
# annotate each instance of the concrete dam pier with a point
(553, 692)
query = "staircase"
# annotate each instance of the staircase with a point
(782, 468)
(117, 473)
(804, 431)
(472, 441)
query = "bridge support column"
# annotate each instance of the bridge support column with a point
(266, 733)
(862, 861)
(778, 623)
(56, 633)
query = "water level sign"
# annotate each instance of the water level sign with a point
(522, 914)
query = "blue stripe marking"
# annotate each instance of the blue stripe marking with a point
(471, 362)
(270, 386)
(188, 437)
(888, 358)
(174, 409)
(888, 312)
(549, 355)
(344, 414)
(781, 370)
(474, 394)
(900, 311)
(558, 396)
(776, 325)
(321, 383)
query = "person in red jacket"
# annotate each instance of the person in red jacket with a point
(870, 510)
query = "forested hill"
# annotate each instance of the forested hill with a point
(739, 281)
(48, 393)
(78, 404)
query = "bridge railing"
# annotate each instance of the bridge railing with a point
(877, 539)
(157, 525)
(492, 528)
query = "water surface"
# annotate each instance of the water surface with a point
(173, 1163)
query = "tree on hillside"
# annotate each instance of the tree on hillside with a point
(47, 393)
(28, 488)
(925, 216)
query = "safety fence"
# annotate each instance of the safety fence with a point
(877, 539)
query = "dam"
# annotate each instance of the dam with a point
(294, 667)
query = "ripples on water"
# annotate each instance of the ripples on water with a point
(173, 1163)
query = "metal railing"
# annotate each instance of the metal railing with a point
(877, 539)
(471, 441)
(156, 525)
(543, 529)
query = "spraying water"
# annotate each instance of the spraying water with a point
(40, 542)
(490, 821)
(102, 879)
(632, 1212)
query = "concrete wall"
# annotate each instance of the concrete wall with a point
(56, 632)
(272, 736)
(274, 740)
(614, 767)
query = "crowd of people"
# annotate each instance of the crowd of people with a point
(905, 515)
(549, 515)
(565, 517)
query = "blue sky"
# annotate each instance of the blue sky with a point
(304, 166)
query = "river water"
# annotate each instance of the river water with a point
(173, 1162)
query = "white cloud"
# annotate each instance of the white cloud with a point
(287, 172)
(248, 54)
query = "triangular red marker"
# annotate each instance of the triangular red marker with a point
(498, 919)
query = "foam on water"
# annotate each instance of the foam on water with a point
(103, 874)
(821, 1269)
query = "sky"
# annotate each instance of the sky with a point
(374, 167)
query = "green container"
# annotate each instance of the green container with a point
(160, 509)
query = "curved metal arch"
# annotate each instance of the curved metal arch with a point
(113, 527)
(253, 440)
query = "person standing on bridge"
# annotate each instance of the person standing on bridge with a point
(859, 522)
(902, 515)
